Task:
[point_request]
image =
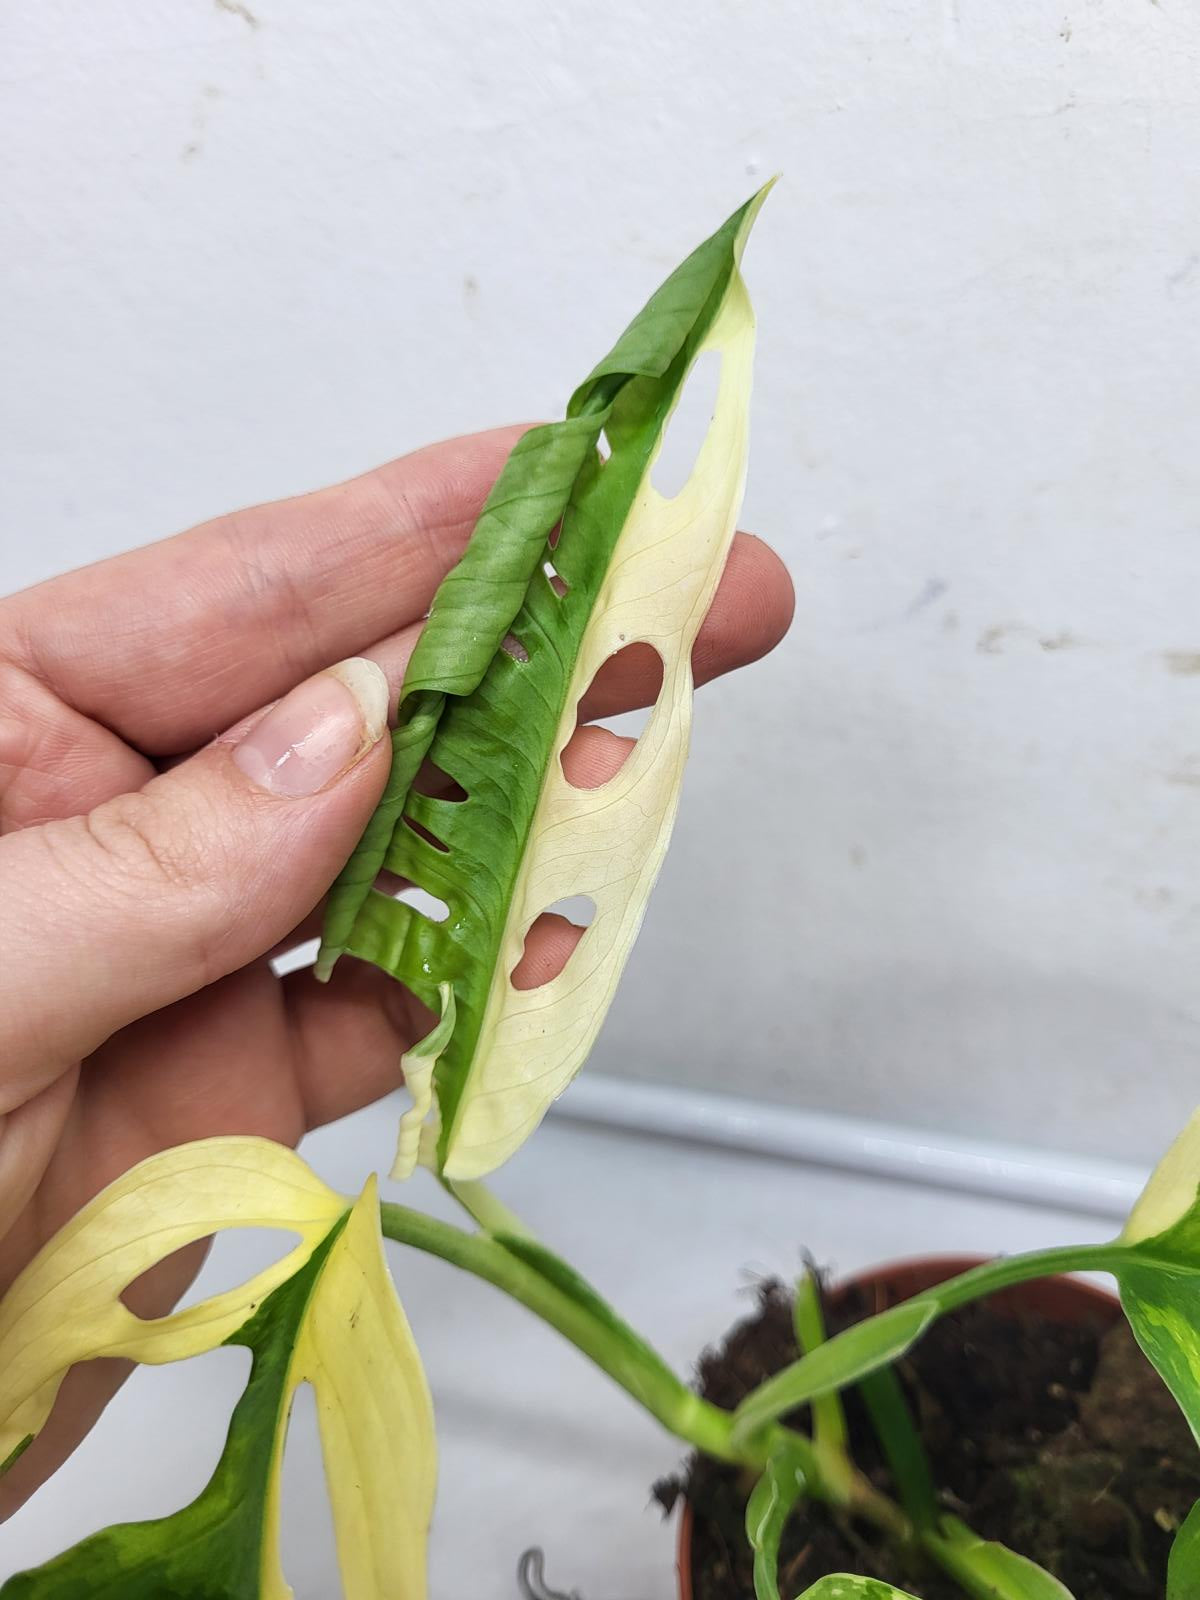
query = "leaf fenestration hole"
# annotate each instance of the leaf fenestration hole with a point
(555, 578)
(513, 647)
(435, 784)
(307, 1533)
(423, 833)
(688, 426)
(428, 905)
(594, 754)
(552, 940)
(603, 448)
(578, 909)
(236, 1256)
(156, 1476)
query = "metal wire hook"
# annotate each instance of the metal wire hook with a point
(531, 1579)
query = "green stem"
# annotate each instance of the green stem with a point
(548, 1288)
(584, 1319)
(956, 1563)
(1006, 1271)
(482, 1206)
(629, 1363)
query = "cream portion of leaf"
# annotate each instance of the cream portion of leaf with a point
(418, 1125)
(1172, 1189)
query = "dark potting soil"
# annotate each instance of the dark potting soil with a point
(1061, 1442)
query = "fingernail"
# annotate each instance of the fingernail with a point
(318, 731)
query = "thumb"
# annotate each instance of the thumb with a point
(155, 894)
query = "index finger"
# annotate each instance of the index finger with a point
(170, 644)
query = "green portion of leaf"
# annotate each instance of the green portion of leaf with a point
(1159, 1270)
(489, 720)
(1162, 1304)
(213, 1548)
(15, 1454)
(842, 1586)
(897, 1433)
(1159, 1278)
(829, 1419)
(852, 1356)
(767, 1510)
(1183, 1570)
(472, 612)
(992, 1571)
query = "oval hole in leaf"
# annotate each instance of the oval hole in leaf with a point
(631, 677)
(578, 909)
(513, 647)
(427, 904)
(555, 578)
(552, 940)
(599, 749)
(603, 448)
(236, 1256)
(688, 427)
(423, 833)
(435, 784)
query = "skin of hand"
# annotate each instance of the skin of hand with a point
(187, 757)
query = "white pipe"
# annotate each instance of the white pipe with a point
(882, 1149)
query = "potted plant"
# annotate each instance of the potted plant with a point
(575, 557)
(1033, 1415)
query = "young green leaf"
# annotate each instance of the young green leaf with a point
(334, 1323)
(848, 1358)
(991, 1571)
(878, 1341)
(902, 1445)
(842, 1586)
(767, 1510)
(1183, 1569)
(829, 1417)
(628, 567)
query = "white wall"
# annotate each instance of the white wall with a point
(939, 858)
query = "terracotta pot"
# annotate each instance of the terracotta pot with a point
(1062, 1299)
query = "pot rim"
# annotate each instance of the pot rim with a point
(924, 1271)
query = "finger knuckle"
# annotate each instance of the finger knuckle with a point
(127, 835)
(132, 852)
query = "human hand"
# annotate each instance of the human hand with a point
(163, 835)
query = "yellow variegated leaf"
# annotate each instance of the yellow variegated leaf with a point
(66, 1305)
(327, 1315)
